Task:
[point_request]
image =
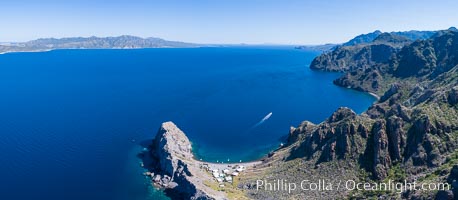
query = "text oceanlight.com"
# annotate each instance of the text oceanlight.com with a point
(350, 185)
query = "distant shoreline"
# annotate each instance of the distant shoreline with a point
(310, 47)
(32, 51)
(47, 50)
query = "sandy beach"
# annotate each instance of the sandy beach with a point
(374, 95)
(222, 166)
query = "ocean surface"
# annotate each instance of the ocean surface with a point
(72, 121)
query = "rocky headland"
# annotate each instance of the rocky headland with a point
(172, 166)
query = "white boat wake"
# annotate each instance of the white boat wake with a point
(262, 120)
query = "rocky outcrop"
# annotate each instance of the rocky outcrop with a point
(341, 114)
(428, 57)
(365, 65)
(452, 179)
(174, 168)
(396, 137)
(394, 88)
(333, 139)
(411, 35)
(369, 80)
(382, 160)
(363, 38)
(387, 134)
(295, 133)
(351, 58)
(417, 59)
(171, 146)
(362, 56)
(452, 96)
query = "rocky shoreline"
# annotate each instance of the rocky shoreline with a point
(171, 166)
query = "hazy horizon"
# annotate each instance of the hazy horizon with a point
(222, 22)
(242, 43)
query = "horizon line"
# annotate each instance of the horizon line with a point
(172, 40)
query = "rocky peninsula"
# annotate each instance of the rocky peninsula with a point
(171, 166)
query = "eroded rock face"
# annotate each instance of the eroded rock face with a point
(174, 165)
(394, 88)
(382, 160)
(420, 144)
(453, 180)
(453, 96)
(331, 139)
(396, 137)
(170, 146)
(380, 141)
(362, 56)
(340, 114)
(295, 133)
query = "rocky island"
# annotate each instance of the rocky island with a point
(409, 134)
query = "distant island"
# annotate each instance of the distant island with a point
(120, 42)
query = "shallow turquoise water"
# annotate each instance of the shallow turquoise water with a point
(69, 116)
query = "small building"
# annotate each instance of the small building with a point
(240, 168)
(235, 174)
(228, 179)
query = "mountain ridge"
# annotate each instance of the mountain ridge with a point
(412, 35)
(93, 42)
(409, 134)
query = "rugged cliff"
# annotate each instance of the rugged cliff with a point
(173, 168)
(360, 56)
(411, 35)
(411, 132)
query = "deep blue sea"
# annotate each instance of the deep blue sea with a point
(71, 121)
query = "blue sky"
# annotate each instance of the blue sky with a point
(222, 21)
